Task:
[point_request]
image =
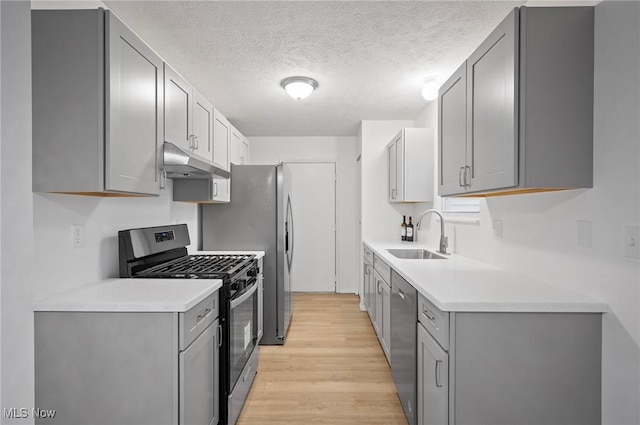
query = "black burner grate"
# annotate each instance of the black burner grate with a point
(199, 266)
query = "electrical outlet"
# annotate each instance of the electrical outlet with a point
(632, 241)
(77, 236)
(584, 233)
(497, 228)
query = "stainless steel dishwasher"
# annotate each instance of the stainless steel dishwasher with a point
(404, 305)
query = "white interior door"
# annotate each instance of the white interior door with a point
(313, 194)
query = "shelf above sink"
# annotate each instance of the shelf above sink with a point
(415, 254)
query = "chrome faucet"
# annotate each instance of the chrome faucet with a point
(444, 241)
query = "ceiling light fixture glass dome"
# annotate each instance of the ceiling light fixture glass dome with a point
(430, 90)
(299, 87)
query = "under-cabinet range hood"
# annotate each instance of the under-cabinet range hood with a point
(179, 164)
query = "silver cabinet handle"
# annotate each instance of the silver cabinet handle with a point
(191, 142)
(215, 189)
(401, 293)
(195, 138)
(428, 316)
(465, 176)
(460, 177)
(438, 371)
(219, 335)
(202, 315)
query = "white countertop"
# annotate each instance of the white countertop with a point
(132, 295)
(461, 284)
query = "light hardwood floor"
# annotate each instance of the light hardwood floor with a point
(330, 371)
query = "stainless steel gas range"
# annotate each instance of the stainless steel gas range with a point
(160, 252)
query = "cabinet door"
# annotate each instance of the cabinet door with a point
(433, 381)
(178, 101)
(199, 383)
(386, 319)
(371, 294)
(492, 109)
(392, 194)
(221, 189)
(244, 151)
(234, 146)
(365, 284)
(221, 138)
(400, 169)
(134, 114)
(452, 135)
(379, 283)
(202, 127)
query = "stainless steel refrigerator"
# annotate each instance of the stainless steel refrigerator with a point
(259, 217)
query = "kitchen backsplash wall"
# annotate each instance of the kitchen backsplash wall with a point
(540, 231)
(341, 150)
(58, 266)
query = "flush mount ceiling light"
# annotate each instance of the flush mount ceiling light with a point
(299, 87)
(430, 89)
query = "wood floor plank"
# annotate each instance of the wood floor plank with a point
(330, 371)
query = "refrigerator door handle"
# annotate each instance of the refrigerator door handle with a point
(289, 232)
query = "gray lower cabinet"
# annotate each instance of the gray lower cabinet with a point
(368, 282)
(97, 106)
(377, 321)
(508, 368)
(382, 322)
(518, 114)
(129, 367)
(433, 381)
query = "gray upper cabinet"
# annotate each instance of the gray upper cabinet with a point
(188, 116)
(453, 131)
(492, 104)
(526, 116)
(202, 126)
(410, 171)
(178, 109)
(97, 99)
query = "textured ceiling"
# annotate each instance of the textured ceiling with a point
(369, 57)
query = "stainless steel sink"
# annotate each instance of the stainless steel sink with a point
(415, 254)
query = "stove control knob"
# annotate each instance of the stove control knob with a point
(252, 272)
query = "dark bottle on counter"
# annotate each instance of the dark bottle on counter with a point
(410, 231)
(403, 228)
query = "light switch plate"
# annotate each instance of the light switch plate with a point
(497, 228)
(632, 241)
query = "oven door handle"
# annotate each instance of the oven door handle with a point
(242, 298)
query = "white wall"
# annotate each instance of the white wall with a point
(60, 267)
(16, 213)
(342, 151)
(380, 219)
(540, 230)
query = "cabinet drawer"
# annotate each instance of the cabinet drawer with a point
(382, 268)
(434, 320)
(368, 254)
(194, 321)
